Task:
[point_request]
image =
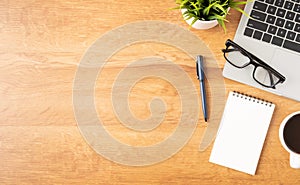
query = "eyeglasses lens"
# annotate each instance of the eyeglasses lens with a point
(236, 58)
(265, 77)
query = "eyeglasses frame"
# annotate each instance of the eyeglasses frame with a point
(255, 61)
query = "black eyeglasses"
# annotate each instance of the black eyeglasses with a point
(263, 74)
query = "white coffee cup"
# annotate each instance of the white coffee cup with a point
(294, 157)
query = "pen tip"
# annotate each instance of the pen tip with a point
(205, 119)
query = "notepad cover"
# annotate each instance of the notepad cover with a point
(242, 132)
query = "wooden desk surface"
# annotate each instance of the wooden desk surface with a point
(41, 45)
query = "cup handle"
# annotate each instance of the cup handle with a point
(294, 161)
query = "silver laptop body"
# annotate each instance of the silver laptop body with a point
(280, 47)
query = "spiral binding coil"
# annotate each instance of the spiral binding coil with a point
(251, 98)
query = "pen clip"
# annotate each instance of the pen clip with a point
(199, 67)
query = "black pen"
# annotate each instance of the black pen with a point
(200, 74)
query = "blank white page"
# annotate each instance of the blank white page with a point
(242, 132)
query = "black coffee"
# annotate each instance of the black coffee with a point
(291, 133)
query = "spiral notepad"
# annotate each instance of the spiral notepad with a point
(242, 132)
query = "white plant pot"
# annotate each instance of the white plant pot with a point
(199, 24)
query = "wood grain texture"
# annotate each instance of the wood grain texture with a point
(41, 45)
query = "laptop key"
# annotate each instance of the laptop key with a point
(289, 25)
(279, 22)
(267, 37)
(279, 3)
(277, 41)
(248, 32)
(288, 5)
(297, 8)
(257, 25)
(271, 19)
(291, 45)
(290, 15)
(298, 38)
(272, 29)
(270, 1)
(280, 12)
(258, 15)
(297, 19)
(271, 10)
(291, 35)
(257, 34)
(281, 32)
(260, 6)
(297, 28)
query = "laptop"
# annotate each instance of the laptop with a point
(273, 36)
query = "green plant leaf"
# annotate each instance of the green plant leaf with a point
(175, 8)
(207, 9)
(217, 17)
(237, 3)
(184, 2)
(218, 6)
(194, 21)
(222, 24)
(196, 8)
(243, 12)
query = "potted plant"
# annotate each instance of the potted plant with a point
(205, 14)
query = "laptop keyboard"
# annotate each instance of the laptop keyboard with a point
(276, 22)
